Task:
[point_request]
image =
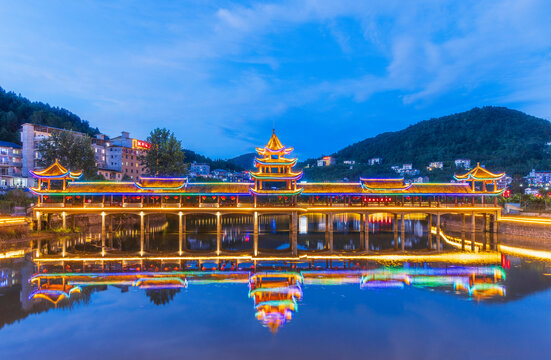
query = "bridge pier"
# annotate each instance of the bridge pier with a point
(181, 225)
(403, 231)
(102, 234)
(329, 231)
(110, 233)
(473, 229)
(464, 220)
(395, 229)
(293, 233)
(429, 245)
(142, 237)
(64, 220)
(255, 233)
(38, 221)
(218, 233)
(438, 248)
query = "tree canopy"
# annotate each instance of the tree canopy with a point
(500, 138)
(75, 152)
(16, 110)
(165, 157)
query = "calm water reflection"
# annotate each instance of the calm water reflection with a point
(321, 309)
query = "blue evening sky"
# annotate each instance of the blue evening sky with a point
(327, 73)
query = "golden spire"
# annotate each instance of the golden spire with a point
(274, 144)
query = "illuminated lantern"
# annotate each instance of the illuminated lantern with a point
(223, 197)
(214, 197)
(317, 197)
(279, 197)
(189, 197)
(166, 197)
(232, 198)
(285, 197)
(204, 197)
(176, 197)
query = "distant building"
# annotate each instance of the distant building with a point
(199, 169)
(435, 165)
(11, 164)
(375, 161)
(326, 161)
(118, 155)
(504, 182)
(123, 155)
(420, 180)
(531, 191)
(100, 145)
(405, 170)
(109, 174)
(538, 178)
(31, 136)
(349, 162)
(463, 163)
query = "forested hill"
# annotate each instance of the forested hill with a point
(16, 110)
(191, 156)
(501, 138)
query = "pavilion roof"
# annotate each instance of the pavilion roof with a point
(161, 183)
(383, 184)
(274, 146)
(55, 171)
(479, 173)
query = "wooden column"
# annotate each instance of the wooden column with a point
(38, 221)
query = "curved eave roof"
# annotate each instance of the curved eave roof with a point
(384, 184)
(276, 162)
(332, 189)
(479, 174)
(55, 171)
(276, 192)
(127, 188)
(276, 176)
(265, 151)
(147, 183)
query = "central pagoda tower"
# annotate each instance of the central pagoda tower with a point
(275, 175)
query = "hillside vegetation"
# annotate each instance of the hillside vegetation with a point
(16, 110)
(500, 138)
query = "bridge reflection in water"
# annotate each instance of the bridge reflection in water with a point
(275, 287)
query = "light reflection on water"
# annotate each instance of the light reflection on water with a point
(317, 309)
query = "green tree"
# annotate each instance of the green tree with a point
(165, 158)
(73, 151)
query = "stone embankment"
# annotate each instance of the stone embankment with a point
(525, 231)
